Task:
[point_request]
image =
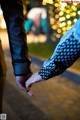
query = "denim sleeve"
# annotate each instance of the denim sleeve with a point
(13, 14)
(65, 54)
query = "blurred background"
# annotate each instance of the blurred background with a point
(46, 21)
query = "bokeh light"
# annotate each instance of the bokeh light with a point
(62, 16)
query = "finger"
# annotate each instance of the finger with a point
(30, 93)
(22, 87)
(27, 85)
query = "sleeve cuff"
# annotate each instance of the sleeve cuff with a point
(21, 68)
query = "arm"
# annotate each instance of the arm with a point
(65, 54)
(13, 14)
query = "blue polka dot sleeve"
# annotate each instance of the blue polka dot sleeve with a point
(65, 54)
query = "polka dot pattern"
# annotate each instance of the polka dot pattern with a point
(66, 54)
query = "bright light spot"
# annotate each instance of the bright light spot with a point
(48, 1)
(75, 20)
(62, 18)
(57, 16)
(74, 3)
(68, 27)
(64, 32)
(67, 11)
(61, 13)
(57, 35)
(58, 30)
(64, 28)
(74, 8)
(56, 5)
(43, 3)
(67, 16)
(69, 22)
(57, 23)
(51, 20)
(1, 12)
(79, 12)
(3, 24)
(73, 14)
(63, 4)
(62, 24)
(62, 8)
(31, 38)
(54, 27)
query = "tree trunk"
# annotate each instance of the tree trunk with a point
(35, 3)
(49, 30)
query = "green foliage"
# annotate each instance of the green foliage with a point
(61, 17)
(44, 50)
(70, 15)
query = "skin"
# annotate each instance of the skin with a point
(20, 80)
(33, 79)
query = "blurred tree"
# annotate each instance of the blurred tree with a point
(26, 5)
(68, 15)
(49, 29)
(60, 17)
(53, 10)
(35, 3)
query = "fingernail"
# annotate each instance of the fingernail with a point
(30, 93)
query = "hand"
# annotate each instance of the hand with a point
(33, 79)
(20, 80)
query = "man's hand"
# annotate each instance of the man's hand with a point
(33, 79)
(20, 80)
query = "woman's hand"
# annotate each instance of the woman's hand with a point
(33, 79)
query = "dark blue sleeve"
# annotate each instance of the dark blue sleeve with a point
(13, 14)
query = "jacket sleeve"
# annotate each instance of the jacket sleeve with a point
(65, 54)
(13, 14)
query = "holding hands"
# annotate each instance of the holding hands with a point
(65, 54)
(33, 79)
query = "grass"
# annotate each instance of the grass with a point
(45, 50)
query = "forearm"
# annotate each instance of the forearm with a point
(65, 54)
(18, 45)
(17, 37)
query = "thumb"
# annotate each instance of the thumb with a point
(29, 93)
(21, 86)
(29, 83)
(28, 87)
